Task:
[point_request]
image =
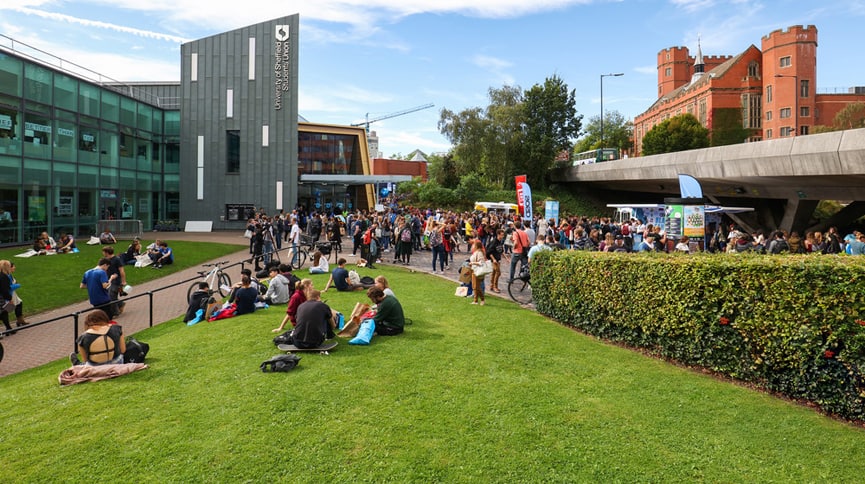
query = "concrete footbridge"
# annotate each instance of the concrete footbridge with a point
(782, 179)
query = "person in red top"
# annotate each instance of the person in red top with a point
(520, 250)
(298, 297)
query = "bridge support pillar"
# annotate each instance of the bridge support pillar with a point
(797, 214)
(844, 217)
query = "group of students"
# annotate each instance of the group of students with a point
(44, 243)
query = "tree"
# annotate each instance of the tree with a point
(679, 133)
(551, 125)
(442, 170)
(851, 117)
(618, 133)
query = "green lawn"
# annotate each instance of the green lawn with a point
(49, 282)
(460, 396)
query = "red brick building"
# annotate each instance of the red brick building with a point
(771, 91)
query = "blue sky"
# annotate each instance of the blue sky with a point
(384, 56)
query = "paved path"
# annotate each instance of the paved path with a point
(36, 345)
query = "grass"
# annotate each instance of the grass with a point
(49, 282)
(467, 394)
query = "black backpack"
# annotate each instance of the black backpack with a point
(136, 351)
(283, 339)
(280, 363)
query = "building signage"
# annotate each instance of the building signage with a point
(65, 132)
(5, 122)
(37, 127)
(281, 64)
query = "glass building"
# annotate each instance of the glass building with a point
(73, 152)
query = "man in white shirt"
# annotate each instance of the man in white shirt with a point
(294, 239)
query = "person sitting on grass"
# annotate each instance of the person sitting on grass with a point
(66, 244)
(133, 251)
(298, 297)
(339, 278)
(319, 264)
(389, 318)
(197, 302)
(278, 291)
(162, 256)
(381, 283)
(107, 238)
(244, 296)
(102, 343)
(314, 323)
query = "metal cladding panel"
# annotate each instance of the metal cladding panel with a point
(269, 99)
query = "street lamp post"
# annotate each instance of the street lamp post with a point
(602, 102)
(795, 102)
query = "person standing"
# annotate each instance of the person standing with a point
(520, 249)
(495, 251)
(476, 260)
(97, 282)
(294, 239)
(117, 283)
(7, 291)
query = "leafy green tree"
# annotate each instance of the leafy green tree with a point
(551, 125)
(679, 133)
(443, 170)
(618, 133)
(851, 117)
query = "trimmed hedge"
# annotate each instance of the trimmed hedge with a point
(790, 324)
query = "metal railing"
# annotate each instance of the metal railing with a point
(125, 229)
(149, 295)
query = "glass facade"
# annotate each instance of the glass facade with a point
(73, 153)
(321, 153)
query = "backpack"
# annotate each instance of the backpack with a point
(405, 235)
(280, 363)
(135, 351)
(367, 280)
(367, 237)
(626, 230)
(780, 246)
(283, 339)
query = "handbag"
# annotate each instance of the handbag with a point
(248, 234)
(484, 269)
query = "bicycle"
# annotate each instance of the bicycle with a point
(216, 280)
(306, 248)
(520, 288)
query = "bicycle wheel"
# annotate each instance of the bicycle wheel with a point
(224, 282)
(299, 260)
(520, 291)
(192, 288)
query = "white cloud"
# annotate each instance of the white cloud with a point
(98, 24)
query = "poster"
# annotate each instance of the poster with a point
(694, 220)
(551, 211)
(64, 206)
(36, 209)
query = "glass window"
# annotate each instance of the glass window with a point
(668, 72)
(88, 176)
(804, 88)
(110, 106)
(64, 208)
(35, 212)
(108, 177)
(768, 134)
(36, 172)
(786, 131)
(768, 115)
(143, 154)
(9, 208)
(172, 156)
(37, 135)
(768, 94)
(65, 92)
(88, 143)
(803, 129)
(753, 69)
(10, 170)
(127, 148)
(37, 83)
(145, 117)
(64, 175)
(65, 141)
(172, 123)
(784, 113)
(10, 131)
(109, 148)
(88, 99)
(232, 151)
(127, 179)
(329, 154)
(786, 61)
(127, 112)
(10, 75)
(156, 124)
(805, 111)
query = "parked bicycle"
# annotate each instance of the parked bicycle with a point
(306, 248)
(520, 288)
(216, 279)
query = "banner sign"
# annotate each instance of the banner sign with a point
(551, 211)
(527, 201)
(518, 182)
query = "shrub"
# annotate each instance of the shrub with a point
(792, 325)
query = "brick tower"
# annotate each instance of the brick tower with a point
(674, 69)
(789, 80)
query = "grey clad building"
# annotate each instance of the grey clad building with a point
(78, 151)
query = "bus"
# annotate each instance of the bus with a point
(595, 156)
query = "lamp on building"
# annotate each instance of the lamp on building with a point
(602, 102)
(795, 102)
